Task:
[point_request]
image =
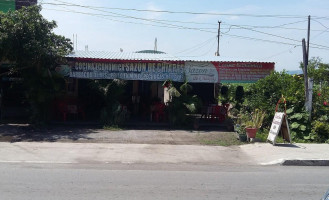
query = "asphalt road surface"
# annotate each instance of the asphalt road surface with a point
(159, 181)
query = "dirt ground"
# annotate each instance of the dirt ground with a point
(96, 134)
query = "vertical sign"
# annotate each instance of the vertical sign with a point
(279, 124)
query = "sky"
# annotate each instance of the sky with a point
(257, 30)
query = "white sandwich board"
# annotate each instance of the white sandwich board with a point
(279, 125)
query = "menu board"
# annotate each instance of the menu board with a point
(279, 125)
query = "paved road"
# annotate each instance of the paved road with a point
(160, 181)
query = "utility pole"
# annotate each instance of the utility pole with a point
(155, 45)
(308, 37)
(73, 43)
(308, 83)
(217, 53)
(76, 42)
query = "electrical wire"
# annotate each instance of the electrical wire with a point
(181, 12)
(192, 28)
(201, 54)
(276, 42)
(143, 19)
(237, 36)
(103, 16)
(257, 39)
(278, 36)
(319, 23)
(187, 22)
(280, 53)
(198, 46)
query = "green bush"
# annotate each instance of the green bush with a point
(265, 93)
(182, 104)
(320, 131)
(299, 124)
(239, 96)
(113, 113)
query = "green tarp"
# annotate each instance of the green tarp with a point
(6, 5)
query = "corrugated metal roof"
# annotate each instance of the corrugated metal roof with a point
(151, 57)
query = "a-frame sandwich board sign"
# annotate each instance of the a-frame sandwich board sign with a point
(279, 125)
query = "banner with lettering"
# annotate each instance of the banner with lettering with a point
(128, 71)
(242, 71)
(198, 72)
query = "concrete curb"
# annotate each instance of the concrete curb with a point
(305, 163)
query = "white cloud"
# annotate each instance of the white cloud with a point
(152, 15)
(249, 9)
(227, 14)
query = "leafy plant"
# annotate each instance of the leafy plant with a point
(320, 132)
(256, 119)
(239, 95)
(299, 124)
(182, 104)
(113, 112)
(224, 94)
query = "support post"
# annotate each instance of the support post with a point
(217, 53)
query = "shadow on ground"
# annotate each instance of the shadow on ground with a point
(28, 133)
(287, 145)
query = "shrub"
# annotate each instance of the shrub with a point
(299, 124)
(239, 95)
(265, 93)
(182, 104)
(320, 131)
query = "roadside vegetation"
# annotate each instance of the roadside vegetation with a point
(33, 50)
(265, 93)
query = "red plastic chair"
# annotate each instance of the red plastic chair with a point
(62, 108)
(159, 112)
(219, 112)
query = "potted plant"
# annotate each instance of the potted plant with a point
(254, 123)
(241, 132)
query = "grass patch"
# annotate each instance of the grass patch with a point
(112, 128)
(219, 139)
(262, 136)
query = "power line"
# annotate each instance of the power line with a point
(270, 34)
(105, 17)
(201, 54)
(257, 39)
(184, 27)
(182, 12)
(186, 22)
(277, 54)
(199, 29)
(320, 23)
(275, 42)
(143, 19)
(278, 36)
(197, 46)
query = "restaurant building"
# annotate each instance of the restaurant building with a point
(145, 74)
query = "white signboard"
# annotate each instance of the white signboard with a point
(204, 72)
(279, 124)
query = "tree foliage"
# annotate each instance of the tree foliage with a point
(28, 41)
(317, 70)
(182, 104)
(265, 93)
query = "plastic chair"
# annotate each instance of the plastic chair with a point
(62, 108)
(159, 112)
